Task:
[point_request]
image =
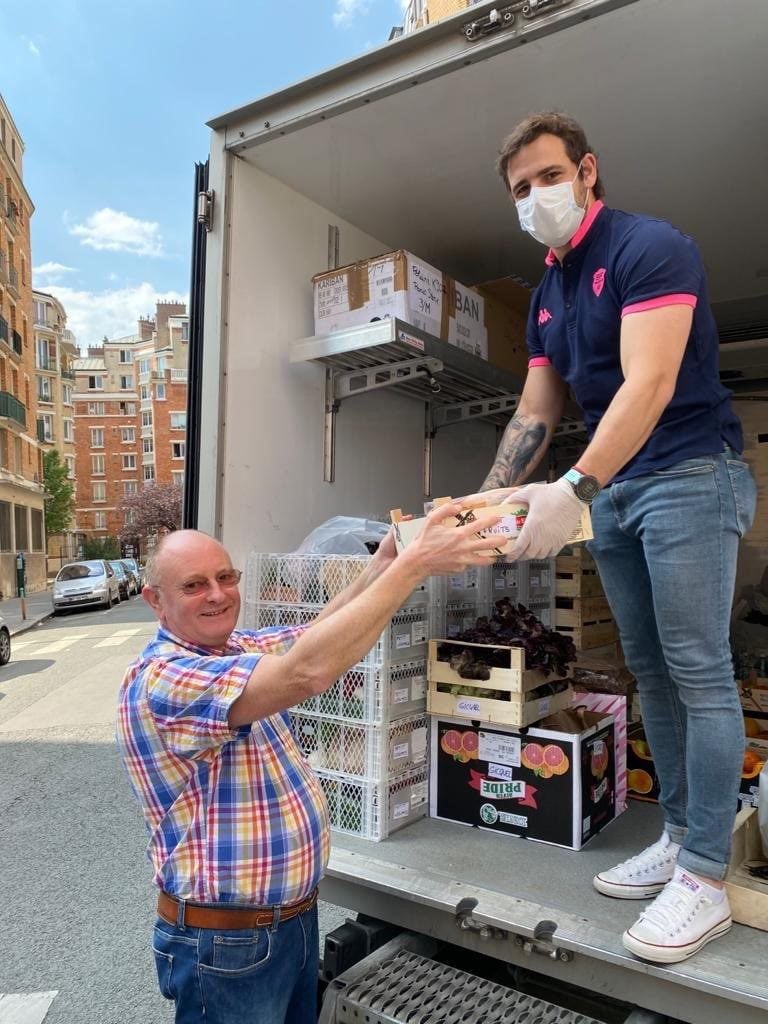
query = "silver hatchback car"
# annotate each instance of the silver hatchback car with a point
(90, 582)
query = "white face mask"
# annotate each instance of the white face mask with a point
(551, 213)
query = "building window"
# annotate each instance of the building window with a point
(100, 492)
(126, 356)
(129, 462)
(96, 382)
(69, 430)
(185, 330)
(148, 445)
(45, 428)
(5, 526)
(178, 421)
(128, 435)
(97, 437)
(97, 465)
(160, 392)
(99, 520)
(96, 408)
(20, 524)
(17, 454)
(149, 473)
(130, 517)
(144, 366)
(178, 449)
(44, 355)
(70, 461)
(126, 382)
(178, 479)
(127, 408)
(146, 418)
(66, 394)
(130, 486)
(44, 390)
(37, 529)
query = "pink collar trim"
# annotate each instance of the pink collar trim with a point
(584, 227)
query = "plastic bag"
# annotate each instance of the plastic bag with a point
(762, 807)
(344, 535)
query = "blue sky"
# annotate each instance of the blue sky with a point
(111, 99)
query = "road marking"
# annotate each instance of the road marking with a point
(52, 646)
(25, 1008)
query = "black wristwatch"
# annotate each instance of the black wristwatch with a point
(585, 487)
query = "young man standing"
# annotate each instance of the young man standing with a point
(622, 318)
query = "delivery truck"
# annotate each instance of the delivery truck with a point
(393, 151)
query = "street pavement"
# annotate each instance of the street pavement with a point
(78, 898)
(39, 607)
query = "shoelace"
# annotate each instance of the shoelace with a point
(653, 857)
(673, 907)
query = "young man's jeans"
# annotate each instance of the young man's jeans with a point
(666, 547)
(264, 975)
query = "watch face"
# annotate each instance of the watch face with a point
(587, 488)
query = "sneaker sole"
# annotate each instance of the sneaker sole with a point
(673, 954)
(627, 892)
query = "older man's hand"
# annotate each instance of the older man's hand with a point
(554, 512)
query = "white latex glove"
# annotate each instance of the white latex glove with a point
(554, 512)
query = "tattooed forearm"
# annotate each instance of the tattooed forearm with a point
(522, 446)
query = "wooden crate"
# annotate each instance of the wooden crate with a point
(516, 681)
(576, 611)
(591, 634)
(576, 575)
(747, 896)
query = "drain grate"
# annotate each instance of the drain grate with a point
(411, 989)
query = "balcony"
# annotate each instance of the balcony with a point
(12, 408)
(178, 376)
(12, 216)
(13, 281)
(68, 375)
(4, 330)
(3, 267)
(16, 342)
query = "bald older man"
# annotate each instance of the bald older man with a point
(237, 820)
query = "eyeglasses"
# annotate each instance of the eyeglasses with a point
(225, 578)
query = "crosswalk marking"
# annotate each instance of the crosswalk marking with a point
(45, 645)
(33, 641)
(112, 641)
(25, 1007)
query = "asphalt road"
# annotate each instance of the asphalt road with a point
(78, 903)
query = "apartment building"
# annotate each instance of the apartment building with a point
(55, 355)
(419, 13)
(130, 418)
(21, 471)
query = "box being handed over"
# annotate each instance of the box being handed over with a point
(513, 517)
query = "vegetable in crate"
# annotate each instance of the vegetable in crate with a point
(510, 626)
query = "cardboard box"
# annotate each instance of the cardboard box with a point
(506, 321)
(615, 705)
(517, 707)
(642, 781)
(400, 285)
(755, 756)
(507, 530)
(554, 784)
(747, 895)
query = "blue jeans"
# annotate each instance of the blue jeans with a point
(243, 976)
(666, 547)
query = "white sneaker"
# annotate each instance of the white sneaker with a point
(686, 916)
(641, 876)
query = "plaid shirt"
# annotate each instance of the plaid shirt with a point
(234, 815)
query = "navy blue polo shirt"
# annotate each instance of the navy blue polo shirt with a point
(624, 263)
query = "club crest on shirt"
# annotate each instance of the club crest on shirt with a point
(598, 281)
(544, 316)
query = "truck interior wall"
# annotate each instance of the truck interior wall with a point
(753, 555)
(274, 492)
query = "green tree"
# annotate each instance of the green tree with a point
(59, 494)
(101, 547)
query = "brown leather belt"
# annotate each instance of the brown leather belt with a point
(224, 918)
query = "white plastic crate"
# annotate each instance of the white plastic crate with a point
(374, 693)
(373, 810)
(540, 583)
(504, 581)
(544, 610)
(360, 750)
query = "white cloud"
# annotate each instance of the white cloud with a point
(33, 49)
(347, 10)
(119, 232)
(49, 273)
(92, 315)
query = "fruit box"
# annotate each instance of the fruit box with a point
(755, 756)
(553, 783)
(642, 781)
(514, 683)
(507, 530)
(748, 896)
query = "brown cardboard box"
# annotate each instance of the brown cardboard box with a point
(747, 895)
(506, 318)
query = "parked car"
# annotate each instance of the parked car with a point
(134, 585)
(123, 580)
(5, 643)
(138, 570)
(90, 582)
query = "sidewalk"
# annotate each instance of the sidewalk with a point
(39, 608)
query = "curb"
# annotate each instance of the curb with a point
(31, 624)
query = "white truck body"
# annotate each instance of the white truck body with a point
(396, 150)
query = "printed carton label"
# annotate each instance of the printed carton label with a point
(500, 749)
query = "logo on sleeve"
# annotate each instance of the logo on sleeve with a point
(598, 282)
(544, 316)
